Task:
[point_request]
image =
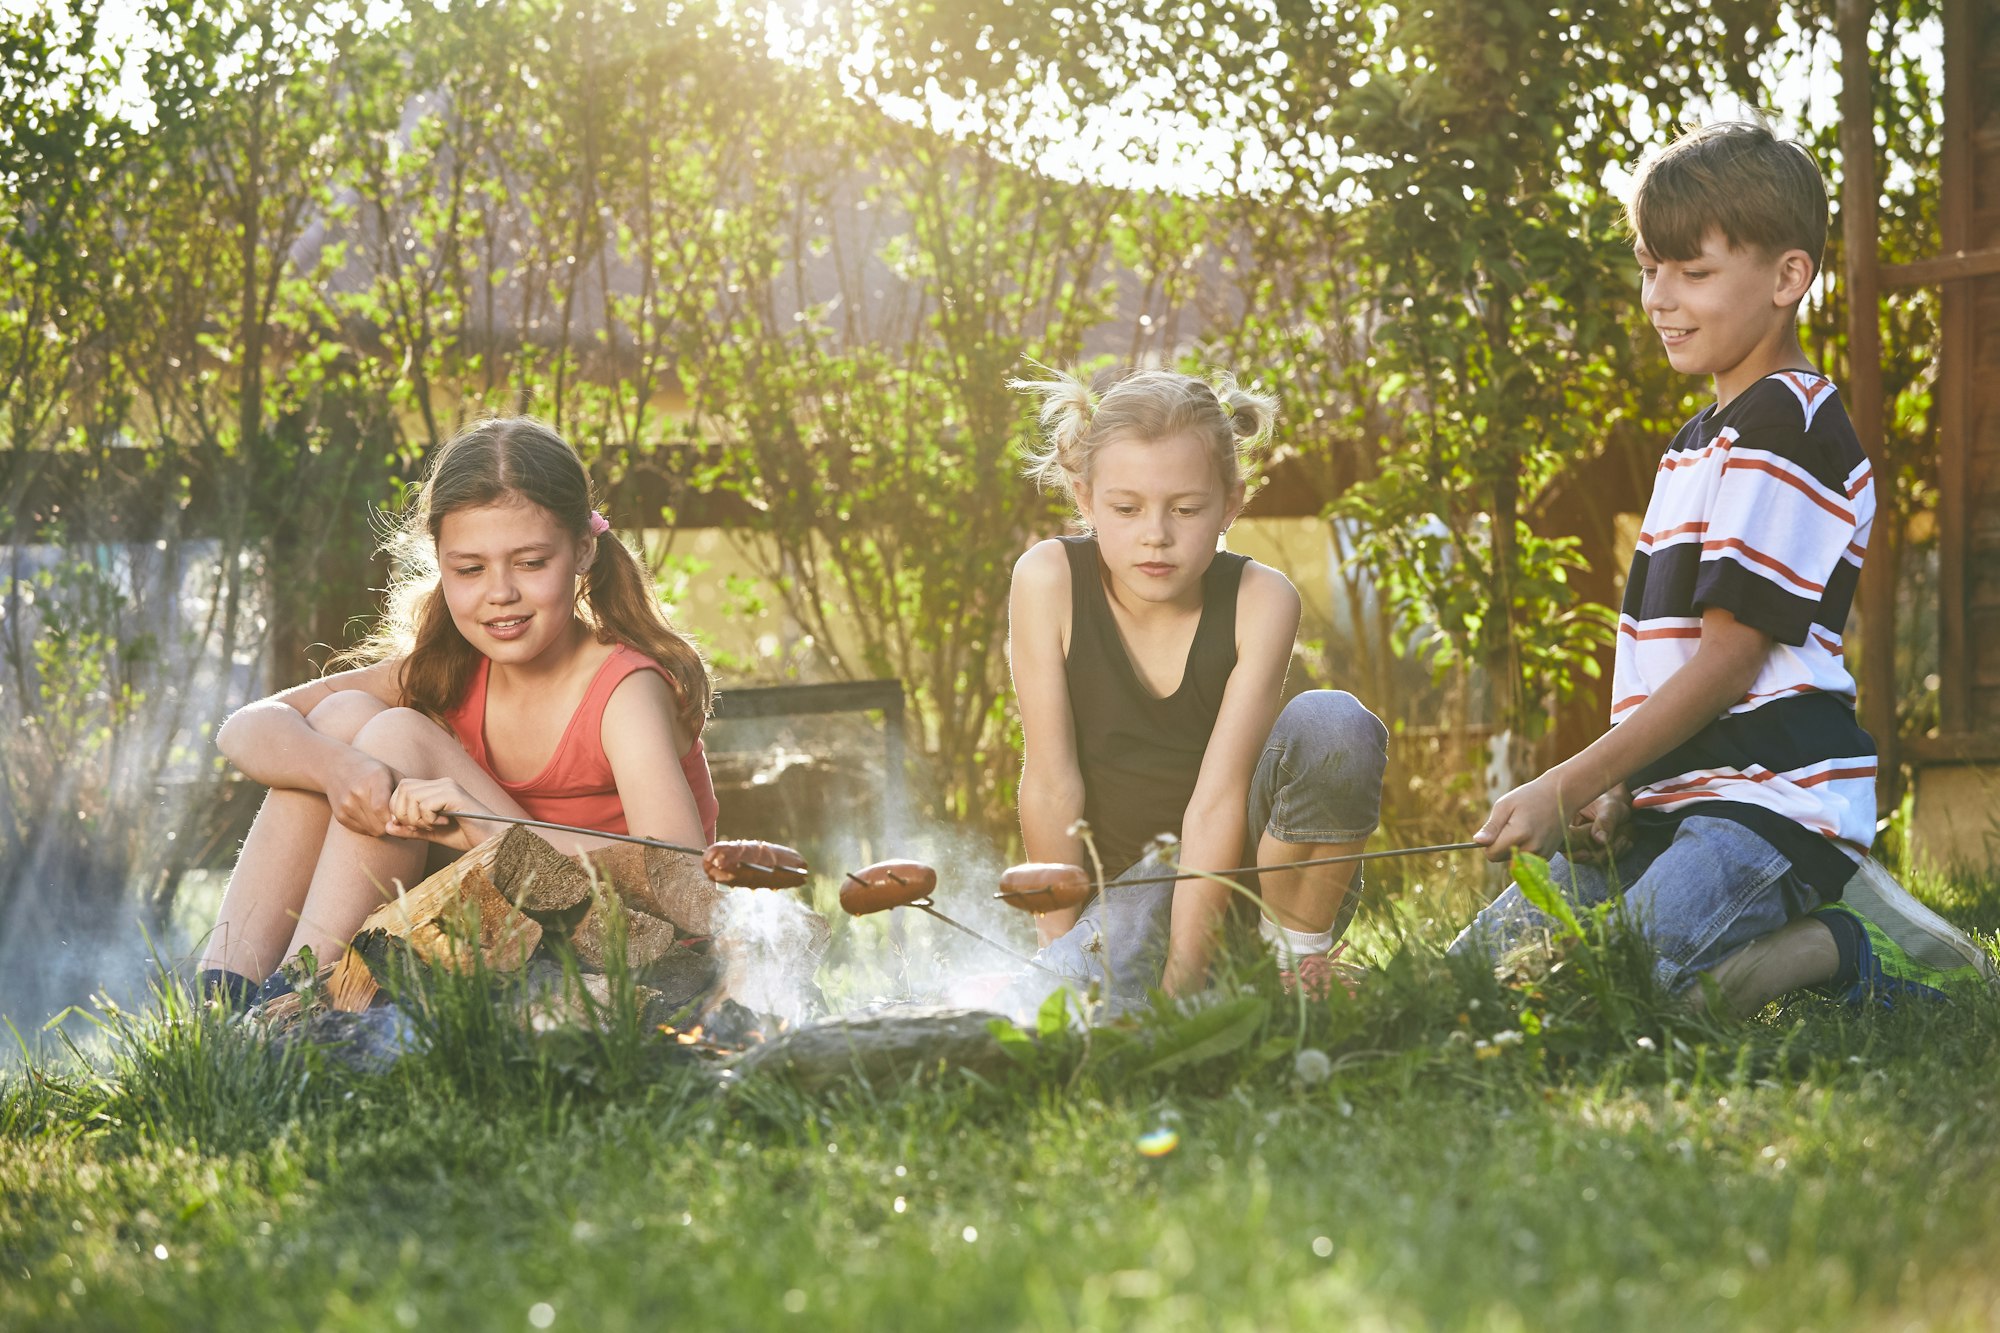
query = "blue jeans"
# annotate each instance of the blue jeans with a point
(1318, 780)
(1714, 888)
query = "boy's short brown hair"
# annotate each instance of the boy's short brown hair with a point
(1741, 179)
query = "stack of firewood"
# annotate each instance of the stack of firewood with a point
(499, 903)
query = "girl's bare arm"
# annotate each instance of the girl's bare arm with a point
(271, 742)
(1212, 830)
(1051, 782)
(644, 740)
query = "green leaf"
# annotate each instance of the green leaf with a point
(1212, 1032)
(1052, 1019)
(1532, 878)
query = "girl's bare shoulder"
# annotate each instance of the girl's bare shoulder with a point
(1043, 568)
(1266, 605)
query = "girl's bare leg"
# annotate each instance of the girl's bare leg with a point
(356, 873)
(267, 887)
(1308, 900)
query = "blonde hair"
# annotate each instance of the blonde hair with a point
(486, 463)
(1228, 419)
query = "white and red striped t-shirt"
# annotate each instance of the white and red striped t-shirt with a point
(1762, 509)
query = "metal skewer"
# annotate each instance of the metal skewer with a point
(589, 832)
(598, 833)
(924, 905)
(1268, 870)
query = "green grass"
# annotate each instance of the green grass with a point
(1617, 1166)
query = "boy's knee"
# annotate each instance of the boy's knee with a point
(342, 714)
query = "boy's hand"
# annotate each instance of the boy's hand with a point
(1529, 818)
(1600, 832)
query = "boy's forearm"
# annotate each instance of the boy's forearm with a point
(1717, 677)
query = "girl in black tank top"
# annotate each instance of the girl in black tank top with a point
(1149, 668)
(1140, 754)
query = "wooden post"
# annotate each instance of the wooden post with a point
(1863, 389)
(1955, 375)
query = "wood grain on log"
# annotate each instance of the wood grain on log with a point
(663, 884)
(463, 912)
(647, 938)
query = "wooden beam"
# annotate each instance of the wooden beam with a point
(1955, 376)
(1859, 239)
(1953, 265)
(1962, 748)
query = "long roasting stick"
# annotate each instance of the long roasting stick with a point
(1272, 870)
(588, 832)
(597, 833)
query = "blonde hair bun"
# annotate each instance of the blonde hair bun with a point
(1141, 404)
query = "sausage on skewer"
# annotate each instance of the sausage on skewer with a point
(754, 865)
(1044, 886)
(887, 884)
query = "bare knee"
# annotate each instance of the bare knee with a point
(401, 736)
(342, 714)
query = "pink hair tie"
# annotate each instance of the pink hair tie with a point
(599, 524)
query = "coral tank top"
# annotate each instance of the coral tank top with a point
(576, 785)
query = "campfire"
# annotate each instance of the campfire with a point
(722, 971)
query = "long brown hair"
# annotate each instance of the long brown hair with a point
(486, 463)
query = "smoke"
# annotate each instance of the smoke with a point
(119, 661)
(906, 956)
(769, 943)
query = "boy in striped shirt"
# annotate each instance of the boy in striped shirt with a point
(1733, 797)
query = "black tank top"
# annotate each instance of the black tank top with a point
(1140, 755)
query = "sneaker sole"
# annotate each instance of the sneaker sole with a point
(1917, 930)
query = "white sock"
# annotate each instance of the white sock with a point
(1291, 945)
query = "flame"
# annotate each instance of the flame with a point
(690, 1037)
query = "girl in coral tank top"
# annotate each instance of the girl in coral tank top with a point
(526, 668)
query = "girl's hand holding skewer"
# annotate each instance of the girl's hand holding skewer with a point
(418, 807)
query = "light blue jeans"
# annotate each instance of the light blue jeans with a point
(1319, 779)
(1713, 889)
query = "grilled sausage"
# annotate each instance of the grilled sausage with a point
(887, 884)
(754, 865)
(1044, 886)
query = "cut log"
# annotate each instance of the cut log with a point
(534, 876)
(462, 913)
(882, 1050)
(668, 885)
(647, 938)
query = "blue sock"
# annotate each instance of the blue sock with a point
(235, 990)
(1847, 938)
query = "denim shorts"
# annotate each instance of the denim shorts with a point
(1711, 890)
(1319, 780)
